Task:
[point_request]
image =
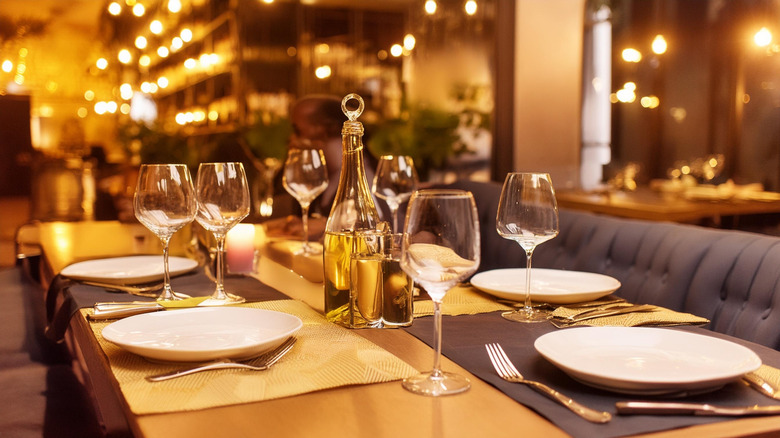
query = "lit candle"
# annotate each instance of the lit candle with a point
(240, 247)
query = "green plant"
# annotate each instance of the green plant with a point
(267, 137)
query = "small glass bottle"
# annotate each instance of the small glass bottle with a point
(353, 210)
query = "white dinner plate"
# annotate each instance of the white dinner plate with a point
(645, 360)
(128, 270)
(204, 333)
(547, 285)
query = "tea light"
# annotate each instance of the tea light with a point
(240, 247)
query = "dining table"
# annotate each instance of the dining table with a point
(339, 396)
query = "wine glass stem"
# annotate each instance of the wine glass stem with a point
(305, 220)
(394, 212)
(436, 372)
(528, 254)
(219, 292)
(167, 293)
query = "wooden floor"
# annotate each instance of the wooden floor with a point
(14, 212)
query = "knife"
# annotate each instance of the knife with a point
(665, 408)
(113, 311)
(609, 311)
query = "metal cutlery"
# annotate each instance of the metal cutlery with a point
(103, 311)
(150, 290)
(507, 371)
(602, 312)
(666, 408)
(260, 363)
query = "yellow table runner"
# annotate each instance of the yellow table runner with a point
(325, 356)
(460, 300)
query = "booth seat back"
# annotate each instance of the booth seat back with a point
(730, 277)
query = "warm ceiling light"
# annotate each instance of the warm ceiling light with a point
(322, 72)
(139, 10)
(8, 66)
(144, 61)
(213, 115)
(162, 81)
(430, 7)
(162, 51)
(396, 50)
(174, 6)
(190, 63)
(89, 95)
(763, 37)
(268, 2)
(114, 8)
(381, 55)
(659, 45)
(124, 108)
(409, 41)
(631, 55)
(102, 63)
(126, 91)
(82, 112)
(140, 42)
(100, 107)
(124, 56)
(186, 35)
(471, 7)
(111, 106)
(176, 44)
(156, 27)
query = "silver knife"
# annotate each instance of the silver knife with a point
(665, 408)
(609, 311)
(120, 311)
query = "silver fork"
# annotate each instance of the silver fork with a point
(262, 362)
(507, 371)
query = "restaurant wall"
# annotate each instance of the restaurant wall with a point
(548, 68)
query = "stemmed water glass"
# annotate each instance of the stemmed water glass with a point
(164, 202)
(441, 246)
(223, 201)
(528, 214)
(394, 182)
(305, 177)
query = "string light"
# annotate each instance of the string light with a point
(659, 45)
(102, 63)
(114, 8)
(156, 27)
(124, 56)
(140, 42)
(430, 7)
(139, 10)
(763, 37)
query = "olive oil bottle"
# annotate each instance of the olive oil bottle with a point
(353, 210)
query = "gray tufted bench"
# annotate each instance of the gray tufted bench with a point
(730, 277)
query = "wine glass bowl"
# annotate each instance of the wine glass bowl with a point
(164, 202)
(441, 246)
(305, 177)
(394, 182)
(527, 214)
(223, 202)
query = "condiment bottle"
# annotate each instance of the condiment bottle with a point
(353, 210)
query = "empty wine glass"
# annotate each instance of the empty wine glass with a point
(528, 214)
(441, 246)
(305, 177)
(223, 201)
(164, 202)
(394, 182)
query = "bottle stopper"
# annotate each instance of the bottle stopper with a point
(352, 126)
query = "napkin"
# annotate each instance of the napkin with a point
(325, 356)
(460, 300)
(770, 374)
(659, 316)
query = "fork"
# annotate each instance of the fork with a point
(262, 362)
(507, 371)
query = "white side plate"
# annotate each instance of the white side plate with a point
(645, 360)
(128, 270)
(547, 285)
(202, 334)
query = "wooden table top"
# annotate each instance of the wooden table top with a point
(379, 410)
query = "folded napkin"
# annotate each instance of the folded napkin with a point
(461, 300)
(285, 252)
(770, 374)
(659, 316)
(325, 356)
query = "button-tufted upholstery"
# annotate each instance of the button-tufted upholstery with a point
(730, 277)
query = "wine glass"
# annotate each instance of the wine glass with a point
(528, 214)
(305, 177)
(164, 202)
(223, 201)
(394, 182)
(441, 246)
